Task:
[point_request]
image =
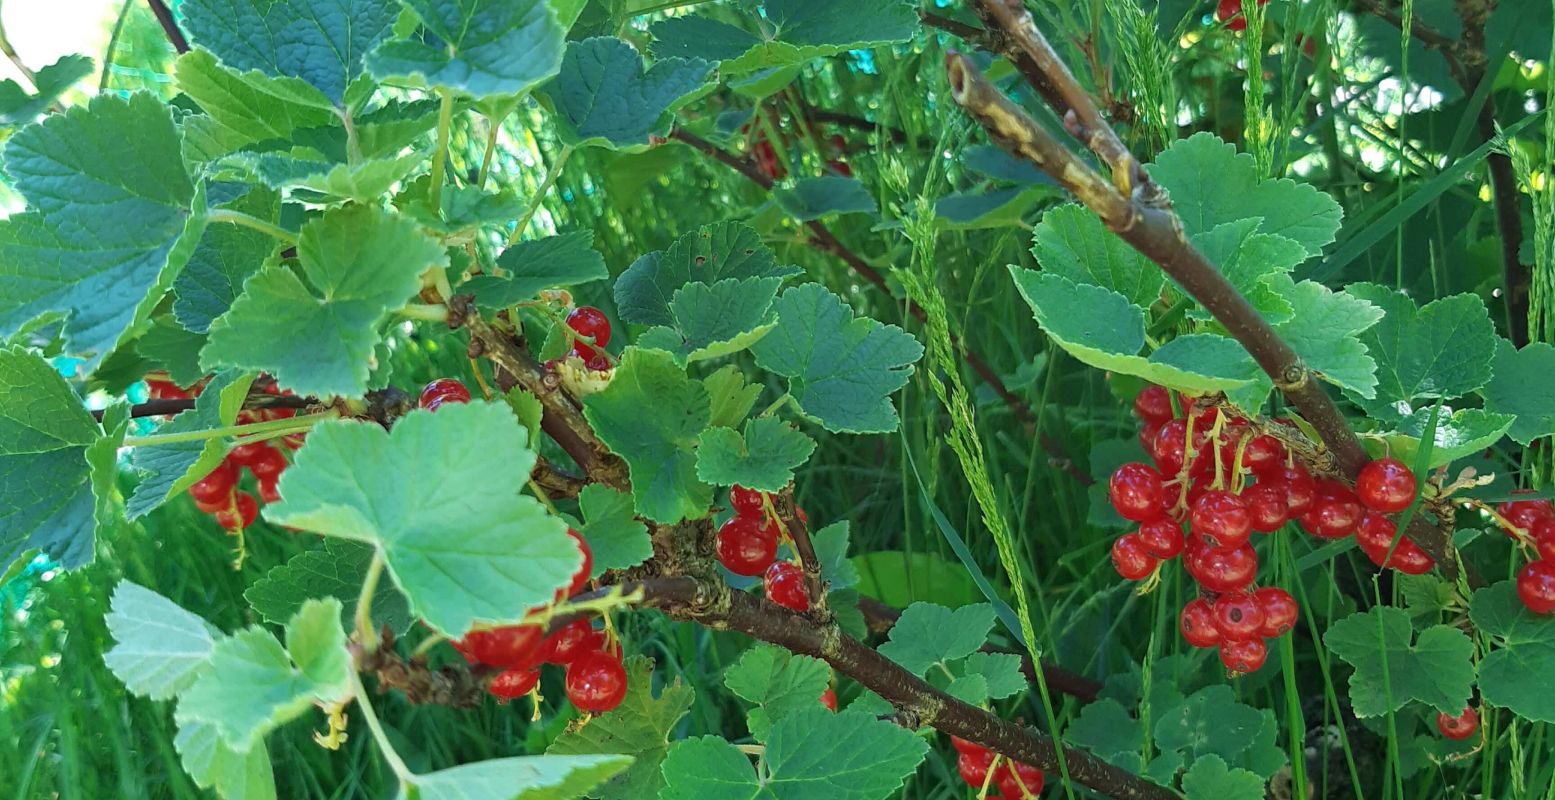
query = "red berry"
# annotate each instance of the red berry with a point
(1221, 519)
(268, 464)
(1300, 488)
(1136, 492)
(269, 491)
(596, 681)
(1385, 485)
(580, 578)
(1018, 781)
(165, 390)
(241, 514)
(1147, 435)
(511, 647)
(1153, 405)
(1458, 727)
(1280, 611)
(1161, 538)
(1334, 513)
(1524, 513)
(745, 546)
(246, 454)
(1244, 655)
(784, 584)
(1263, 454)
(1411, 559)
(1266, 507)
(216, 487)
(1238, 615)
(1375, 536)
(829, 699)
(967, 746)
(570, 641)
(1170, 447)
(1536, 586)
(1197, 623)
(1223, 569)
(974, 767)
(598, 362)
(1543, 533)
(443, 390)
(1130, 558)
(591, 322)
(748, 502)
(514, 683)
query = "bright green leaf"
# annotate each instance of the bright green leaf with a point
(1072, 243)
(1247, 257)
(1523, 384)
(713, 253)
(19, 107)
(604, 96)
(731, 396)
(212, 763)
(1000, 670)
(245, 108)
(709, 768)
(478, 48)
(794, 31)
(1441, 350)
(713, 321)
(640, 727)
(1459, 433)
(763, 457)
(812, 198)
(461, 209)
(777, 681)
(1515, 675)
(309, 169)
(161, 647)
(1434, 668)
(520, 778)
(617, 539)
(927, 634)
(528, 267)
(1325, 330)
(831, 549)
(250, 687)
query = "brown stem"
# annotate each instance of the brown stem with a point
(165, 407)
(855, 122)
(169, 25)
(1509, 224)
(799, 534)
(556, 482)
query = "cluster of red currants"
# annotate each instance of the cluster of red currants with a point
(1532, 522)
(1230, 12)
(748, 544)
(217, 493)
(1015, 780)
(590, 322)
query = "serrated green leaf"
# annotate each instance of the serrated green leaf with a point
(1210, 779)
(224, 258)
(1247, 258)
(1458, 434)
(763, 457)
(732, 398)
(713, 321)
(778, 682)
(519, 778)
(659, 448)
(1441, 350)
(479, 48)
(796, 31)
(45, 479)
(243, 107)
(1434, 668)
(841, 369)
(460, 208)
(167, 345)
(831, 549)
(617, 539)
(321, 44)
(528, 267)
(250, 687)
(927, 634)
(710, 254)
(1210, 721)
(1325, 330)
(1523, 383)
(168, 470)
(1514, 675)
(214, 764)
(640, 727)
(19, 107)
(1106, 729)
(603, 96)
(317, 338)
(161, 647)
(102, 463)
(1072, 243)
(1211, 184)
(104, 263)
(304, 168)
(996, 208)
(335, 570)
(1000, 671)
(969, 689)
(813, 198)
(709, 768)
(316, 643)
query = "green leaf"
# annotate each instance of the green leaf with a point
(1072, 243)
(1442, 350)
(567, 259)
(1001, 671)
(1106, 729)
(1103, 329)
(996, 208)
(317, 338)
(1325, 330)
(763, 457)
(831, 549)
(1247, 258)
(717, 320)
(1211, 184)
(1515, 674)
(659, 448)
(244, 108)
(796, 31)
(461, 209)
(161, 647)
(841, 369)
(603, 96)
(105, 263)
(224, 258)
(731, 396)
(19, 107)
(1210, 721)
(102, 462)
(45, 480)
(304, 168)
(709, 768)
(1434, 668)
(927, 634)
(520, 778)
(167, 345)
(212, 763)
(336, 570)
(1210, 779)
(616, 538)
(1523, 383)
(778, 682)
(168, 470)
(813, 198)
(500, 553)
(478, 48)
(969, 689)
(1458, 434)
(321, 44)
(713, 253)
(640, 727)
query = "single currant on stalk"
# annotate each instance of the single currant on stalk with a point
(1197, 624)
(1162, 538)
(1238, 615)
(510, 647)
(590, 322)
(1536, 586)
(746, 546)
(1460, 726)
(1017, 780)
(1221, 519)
(784, 585)
(241, 514)
(1280, 611)
(570, 641)
(443, 390)
(1131, 559)
(1242, 656)
(1526, 513)
(596, 681)
(1136, 492)
(748, 502)
(1386, 486)
(1153, 405)
(514, 683)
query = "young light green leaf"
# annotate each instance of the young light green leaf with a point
(795, 31)
(731, 396)
(616, 538)
(245, 108)
(317, 338)
(831, 549)
(812, 198)
(927, 634)
(841, 369)
(1434, 668)
(1514, 675)
(520, 778)
(320, 44)
(500, 554)
(1000, 670)
(104, 263)
(1072, 243)
(335, 570)
(224, 258)
(1523, 383)
(214, 764)
(478, 48)
(763, 457)
(1211, 183)
(317, 644)
(19, 107)
(167, 470)
(603, 96)
(161, 647)
(1459, 433)
(1210, 779)
(640, 727)
(1441, 350)
(1325, 330)
(305, 168)
(45, 480)
(710, 254)
(249, 687)
(778, 682)
(461, 209)
(528, 267)
(715, 321)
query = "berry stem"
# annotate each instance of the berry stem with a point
(445, 120)
(776, 404)
(272, 428)
(552, 172)
(239, 218)
(424, 312)
(390, 755)
(364, 604)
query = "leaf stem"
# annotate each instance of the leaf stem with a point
(445, 120)
(551, 174)
(494, 125)
(353, 143)
(270, 426)
(776, 404)
(389, 753)
(364, 604)
(425, 312)
(247, 221)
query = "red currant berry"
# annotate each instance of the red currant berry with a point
(443, 390)
(1244, 655)
(1197, 623)
(591, 322)
(1017, 781)
(1385, 485)
(748, 502)
(1147, 435)
(784, 584)
(974, 767)
(1280, 611)
(1536, 586)
(1375, 535)
(1136, 492)
(1223, 569)
(269, 491)
(514, 683)
(164, 390)
(1410, 558)
(829, 699)
(1266, 505)
(967, 746)
(1169, 450)
(1458, 727)
(1221, 519)
(244, 455)
(268, 464)
(1238, 615)
(570, 641)
(1130, 558)
(216, 487)
(241, 514)
(580, 578)
(1543, 533)
(1300, 488)
(1263, 454)
(745, 547)
(596, 682)
(1524, 513)
(510, 647)
(1161, 538)
(1153, 405)
(1334, 513)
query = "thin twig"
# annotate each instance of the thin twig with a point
(169, 26)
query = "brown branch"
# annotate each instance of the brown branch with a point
(556, 482)
(994, 41)
(159, 408)
(855, 122)
(799, 534)
(169, 25)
